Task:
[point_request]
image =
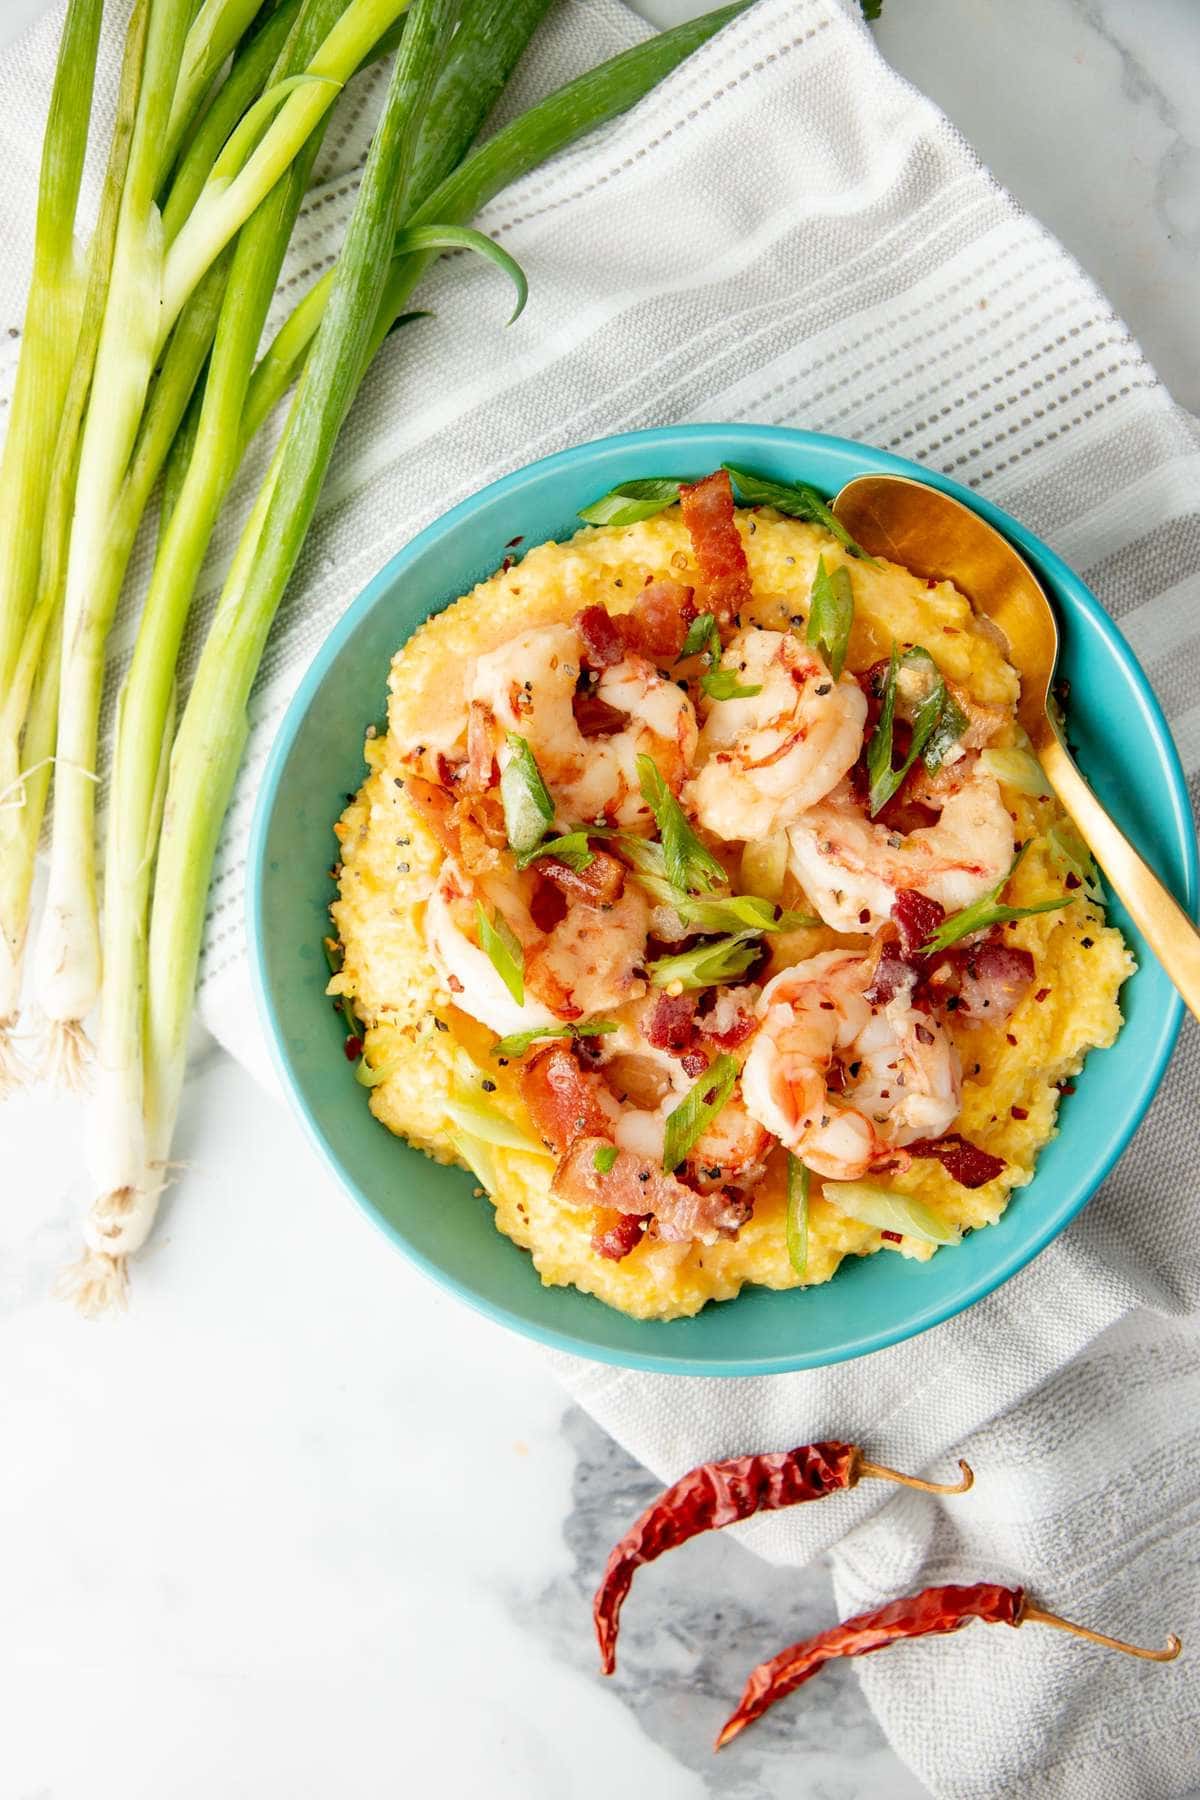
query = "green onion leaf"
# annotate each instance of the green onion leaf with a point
(518, 1042)
(985, 912)
(687, 864)
(603, 1158)
(1068, 851)
(798, 501)
(890, 1211)
(503, 949)
(491, 1126)
(797, 1215)
(693, 1116)
(528, 808)
(631, 501)
(707, 965)
(703, 638)
(937, 722)
(571, 849)
(478, 1157)
(723, 684)
(370, 1077)
(1018, 769)
(831, 614)
(462, 237)
(740, 912)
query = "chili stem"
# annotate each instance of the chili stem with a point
(1036, 1616)
(878, 1472)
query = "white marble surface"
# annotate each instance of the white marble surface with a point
(243, 1552)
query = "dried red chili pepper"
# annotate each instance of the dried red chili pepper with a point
(721, 1493)
(931, 1613)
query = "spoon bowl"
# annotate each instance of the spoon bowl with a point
(933, 534)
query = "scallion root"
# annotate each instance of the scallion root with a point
(67, 1058)
(97, 1285)
(14, 1070)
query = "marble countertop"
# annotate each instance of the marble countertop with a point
(303, 1526)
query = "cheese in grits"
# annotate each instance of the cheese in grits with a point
(704, 900)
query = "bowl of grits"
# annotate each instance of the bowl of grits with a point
(664, 933)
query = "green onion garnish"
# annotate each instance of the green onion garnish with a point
(518, 1042)
(528, 808)
(797, 1215)
(798, 501)
(630, 501)
(503, 949)
(831, 614)
(936, 724)
(707, 965)
(723, 684)
(571, 849)
(603, 1158)
(888, 1210)
(985, 912)
(686, 862)
(703, 638)
(1068, 851)
(695, 1114)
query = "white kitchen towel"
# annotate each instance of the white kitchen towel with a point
(787, 232)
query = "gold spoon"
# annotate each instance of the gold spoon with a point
(933, 535)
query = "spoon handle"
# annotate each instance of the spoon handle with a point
(1163, 923)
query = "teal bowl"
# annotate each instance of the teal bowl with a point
(431, 1212)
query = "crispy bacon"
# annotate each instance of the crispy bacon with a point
(962, 1160)
(916, 916)
(615, 1234)
(657, 623)
(672, 1023)
(892, 973)
(562, 1104)
(603, 642)
(994, 978)
(481, 747)
(601, 884)
(595, 717)
(636, 1184)
(708, 513)
(436, 809)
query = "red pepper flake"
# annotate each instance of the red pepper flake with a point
(506, 565)
(931, 581)
(1019, 1112)
(353, 1048)
(891, 1237)
(454, 984)
(1066, 1087)
(1041, 995)
(1070, 879)
(513, 542)
(1010, 1037)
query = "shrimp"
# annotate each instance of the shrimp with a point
(766, 758)
(852, 867)
(529, 686)
(896, 1073)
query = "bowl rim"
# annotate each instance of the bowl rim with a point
(600, 451)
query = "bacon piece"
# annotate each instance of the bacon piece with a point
(708, 513)
(437, 811)
(962, 1160)
(892, 973)
(615, 1234)
(916, 916)
(601, 884)
(603, 642)
(561, 1102)
(547, 904)
(481, 747)
(694, 1063)
(657, 624)
(637, 1185)
(672, 1024)
(595, 717)
(994, 979)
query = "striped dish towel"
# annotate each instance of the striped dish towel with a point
(787, 232)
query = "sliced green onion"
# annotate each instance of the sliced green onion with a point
(603, 1158)
(571, 849)
(707, 965)
(479, 1159)
(798, 501)
(491, 1126)
(631, 501)
(937, 717)
(740, 911)
(503, 949)
(1018, 769)
(686, 862)
(723, 684)
(831, 614)
(518, 1042)
(1068, 851)
(985, 912)
(797, 1215)
(887, 1210)
(528, 808)
(694, 1114)
(369, 1077)
(764, 865)
(703, 638)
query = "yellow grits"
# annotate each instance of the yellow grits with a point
(429, 1054)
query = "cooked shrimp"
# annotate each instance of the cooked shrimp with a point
(585, 963)
(852, 867)
(529, 686)
(766, 758)
(899, 1074)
